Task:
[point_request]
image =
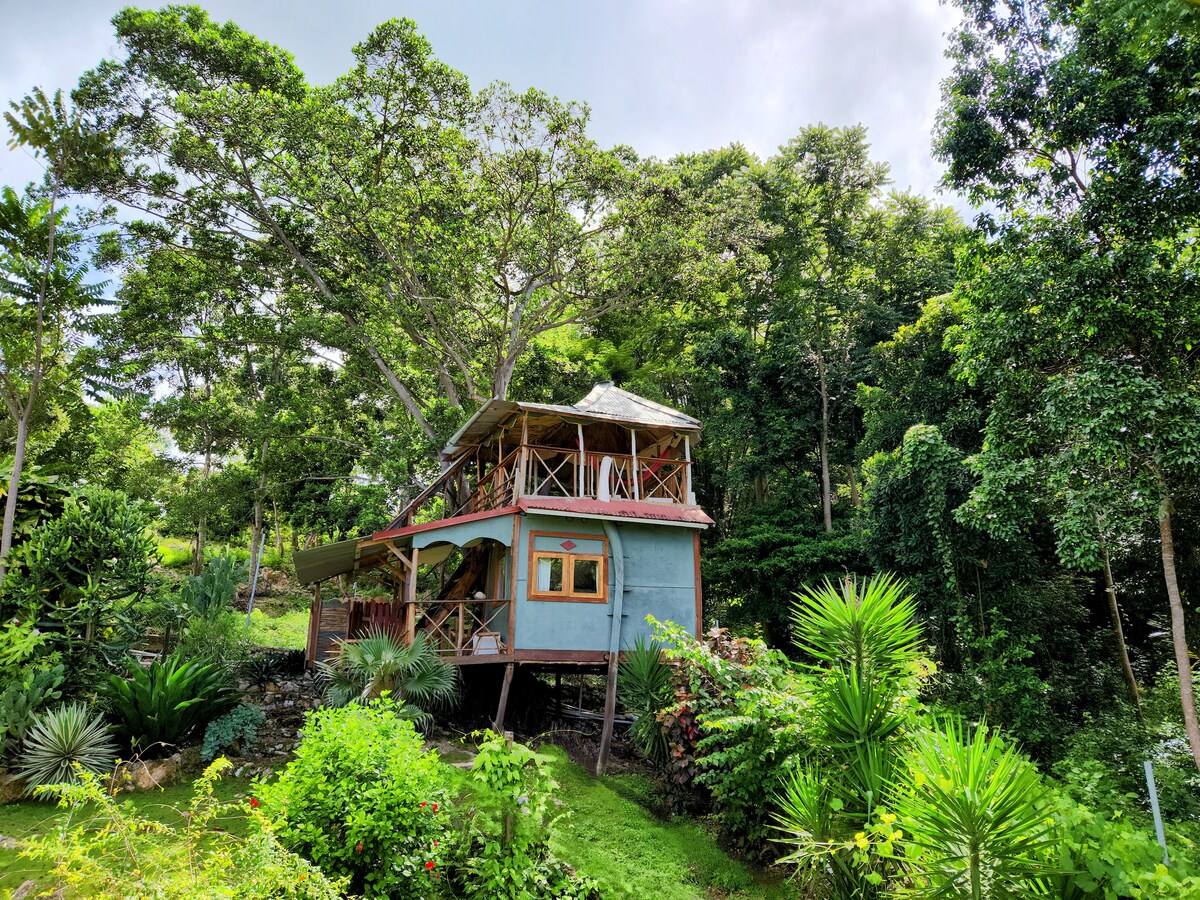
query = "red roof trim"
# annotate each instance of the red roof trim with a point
(442, 523)
(621, 509)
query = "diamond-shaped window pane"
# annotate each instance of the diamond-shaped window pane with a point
(568, 545)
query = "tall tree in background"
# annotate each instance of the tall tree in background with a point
(436, 231)
(43, 282)
(1082, 313)
(819, 189)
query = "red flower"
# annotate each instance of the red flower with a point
(422, 804)
(254, 802)
(429, 865)
(435, 807)
(435, 843)
(358, 846)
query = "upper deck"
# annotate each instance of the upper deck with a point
(612, 447)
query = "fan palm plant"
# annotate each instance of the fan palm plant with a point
(411, 674)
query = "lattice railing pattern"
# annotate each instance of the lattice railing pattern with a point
(450, 625)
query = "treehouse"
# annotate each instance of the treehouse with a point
(551, 534)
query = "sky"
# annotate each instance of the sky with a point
(662, 76)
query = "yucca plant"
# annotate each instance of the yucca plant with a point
(866, 626)
(413, 675)
(645, 687)
(864, 643)
(169, 702)
(978, 825)
(61, 739)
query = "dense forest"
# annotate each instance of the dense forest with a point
(257, 307)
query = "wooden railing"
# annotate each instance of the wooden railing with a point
(535, 471)
(465, 627)
(495, 491)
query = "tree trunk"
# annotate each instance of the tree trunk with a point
(278, 533)
(1130, 679)
(826, 488)
(855, 493)
(14, 485)
(35, 382)
(202, 524)
(1183, 661)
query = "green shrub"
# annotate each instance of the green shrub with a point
(20, 642)
(262, 669)
(505, 852)
(62, 740)
(738, 717)
(863, 641)
(977, 817)
(109, 852)
(362, 800)
(21, 700)
(1099, 856)
(221, 639)
(79, 575)
(166, 704)
(1102, 766)
(238, 726)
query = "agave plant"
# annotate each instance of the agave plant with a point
(168, 703)
(411, 674)
(61, 739)
(978, 826)
(645, 686)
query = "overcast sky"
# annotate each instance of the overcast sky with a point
(664, 76)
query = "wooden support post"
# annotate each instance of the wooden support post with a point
(581, 480)
(498, 725)
(636, 473)
(610, 711)
(410, 597)
(687, 470)
(314, 627)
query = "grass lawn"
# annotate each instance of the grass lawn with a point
(613, 837)
(20, 820)
(286, 630)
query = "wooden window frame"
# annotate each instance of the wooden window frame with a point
(569, 558)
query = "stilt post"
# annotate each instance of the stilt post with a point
(498, 725)
(610, 711)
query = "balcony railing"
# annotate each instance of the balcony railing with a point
(535, 471)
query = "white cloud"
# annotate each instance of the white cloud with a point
(666, 76)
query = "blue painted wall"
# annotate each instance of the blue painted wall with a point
(659, 580)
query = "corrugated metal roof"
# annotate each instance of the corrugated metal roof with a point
(329, 560)
(605, 402)
(621, 509)
(606, 399)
